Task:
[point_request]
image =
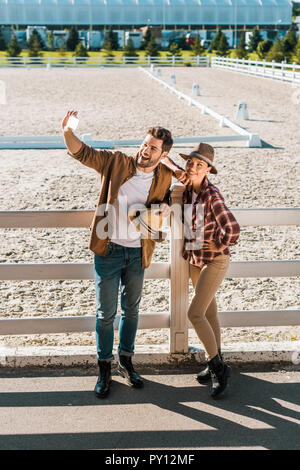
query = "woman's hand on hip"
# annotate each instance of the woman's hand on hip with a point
(211, 245)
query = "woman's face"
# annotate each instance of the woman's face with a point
(196, 169)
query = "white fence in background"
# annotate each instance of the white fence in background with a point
(251, 140)
(276, 70)
(114, 61)
(57, 142)
(176, 270)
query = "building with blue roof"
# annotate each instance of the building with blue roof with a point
(124, 13)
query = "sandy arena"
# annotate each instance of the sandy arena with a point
(120, 104)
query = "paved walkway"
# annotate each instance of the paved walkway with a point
(56, 409)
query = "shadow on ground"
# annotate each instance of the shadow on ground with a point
(260, 409)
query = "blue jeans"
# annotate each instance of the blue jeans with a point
(120, 265)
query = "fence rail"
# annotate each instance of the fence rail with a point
(176, 270)
(57, 142)
(275, 70)
(98, 61)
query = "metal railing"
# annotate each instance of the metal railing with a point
(176, 271)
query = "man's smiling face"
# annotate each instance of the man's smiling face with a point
(150, 153)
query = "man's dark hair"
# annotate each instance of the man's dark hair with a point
(164, 135)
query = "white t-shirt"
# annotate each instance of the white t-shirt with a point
(134, 192)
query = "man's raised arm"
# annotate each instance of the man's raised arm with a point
(72, 142)
(85, 154)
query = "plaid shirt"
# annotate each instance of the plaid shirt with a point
(210, 220)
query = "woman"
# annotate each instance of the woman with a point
(210, 228)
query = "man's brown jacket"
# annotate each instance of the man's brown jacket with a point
(114, 169)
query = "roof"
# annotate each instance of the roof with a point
(138, 12)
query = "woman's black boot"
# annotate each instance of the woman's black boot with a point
(204, 376)
(219, 375)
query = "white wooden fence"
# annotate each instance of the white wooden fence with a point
(57, 142)
(98, 61)
(275, 70)
(176, 270)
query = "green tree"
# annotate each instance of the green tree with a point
(214, 45)
(50, 41)
(146, 39)
(241, 52)
(223, 47)
(14, 49)
(3, 46)
(263, 48)
(290, 40)
(254, 40)
(289, 43)
(62, 53)
(80, 51)
(152, 48)
(297, 51)
(35, 41)
(73, 39)
(276, 52)
(35, 48)
(111, 40)
(129, 49)
(174, 50)
(197, 49)
(108, 51)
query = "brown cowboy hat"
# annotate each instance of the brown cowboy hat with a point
(148, 222)
(204, 152)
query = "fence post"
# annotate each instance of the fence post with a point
(273, 68)
(294, 72)
(75, 61)
(99, 60)
(207, 61)
(179, 285)
(264, 72)
(149, 61)
(173, 60)
(283, 69)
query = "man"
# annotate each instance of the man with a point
(120, 253)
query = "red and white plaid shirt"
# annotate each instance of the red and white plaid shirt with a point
(209, 219)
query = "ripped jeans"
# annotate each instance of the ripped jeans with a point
(121, 267)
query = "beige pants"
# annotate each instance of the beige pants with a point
(203, 311)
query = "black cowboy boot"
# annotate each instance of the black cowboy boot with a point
(204, 376)
(126, 370)
(219, 375)
(104, 379)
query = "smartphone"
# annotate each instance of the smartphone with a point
(73, 122)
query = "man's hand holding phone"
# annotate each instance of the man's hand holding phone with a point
(70, 121)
